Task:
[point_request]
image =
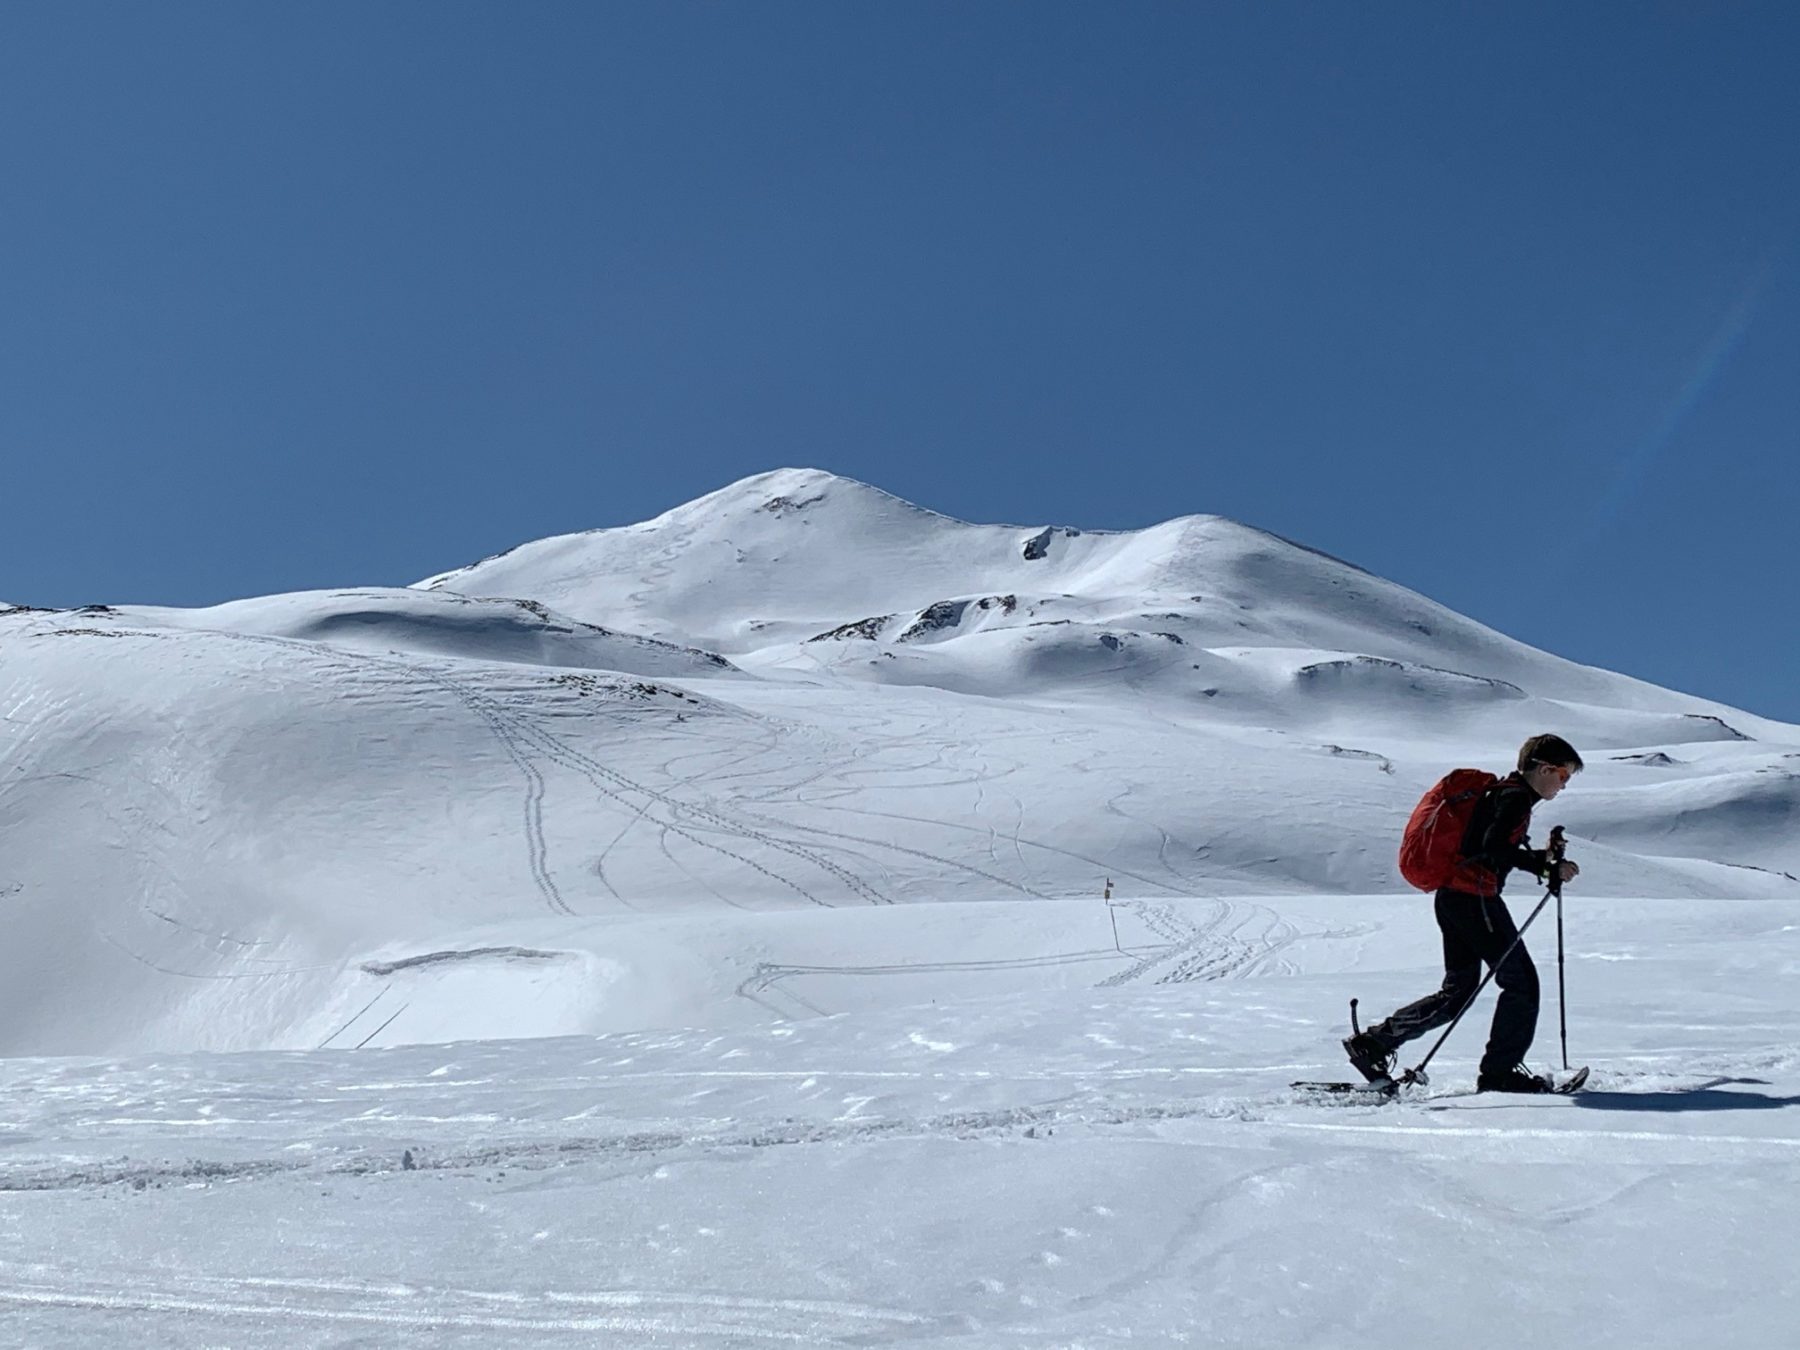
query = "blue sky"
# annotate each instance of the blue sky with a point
(1499, 301)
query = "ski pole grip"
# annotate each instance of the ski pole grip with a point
(1553, 856)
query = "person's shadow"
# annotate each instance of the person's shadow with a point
(1703, 1097)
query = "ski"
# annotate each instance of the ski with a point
(1390, 1089)
(1575, 1082)
(1377, 1091)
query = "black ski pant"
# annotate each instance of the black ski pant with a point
(1475, 931)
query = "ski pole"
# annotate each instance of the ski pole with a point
(1553, 856)
(1562, 992)
(1417, 1075)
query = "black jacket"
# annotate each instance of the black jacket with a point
(1495, 842)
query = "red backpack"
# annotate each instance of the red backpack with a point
(1431, 848)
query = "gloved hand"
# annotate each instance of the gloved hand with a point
(1541, 865)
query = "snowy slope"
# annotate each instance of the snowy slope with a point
(1119, 1164)
(240, 827)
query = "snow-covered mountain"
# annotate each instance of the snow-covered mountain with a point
(802, 571)
(676, 773)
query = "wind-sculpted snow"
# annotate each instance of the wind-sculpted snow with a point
(472, 954)
(415, 623)
(1744, 815)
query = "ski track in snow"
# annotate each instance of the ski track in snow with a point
(526, 743)
(647, 1316)
(1193, 953)
(1092, 1102)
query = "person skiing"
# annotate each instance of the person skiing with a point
(1477, 928)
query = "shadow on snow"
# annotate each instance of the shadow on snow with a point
(1703, 1097)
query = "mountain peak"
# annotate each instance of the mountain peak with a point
(790, 491)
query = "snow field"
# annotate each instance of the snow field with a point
(700, 934)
